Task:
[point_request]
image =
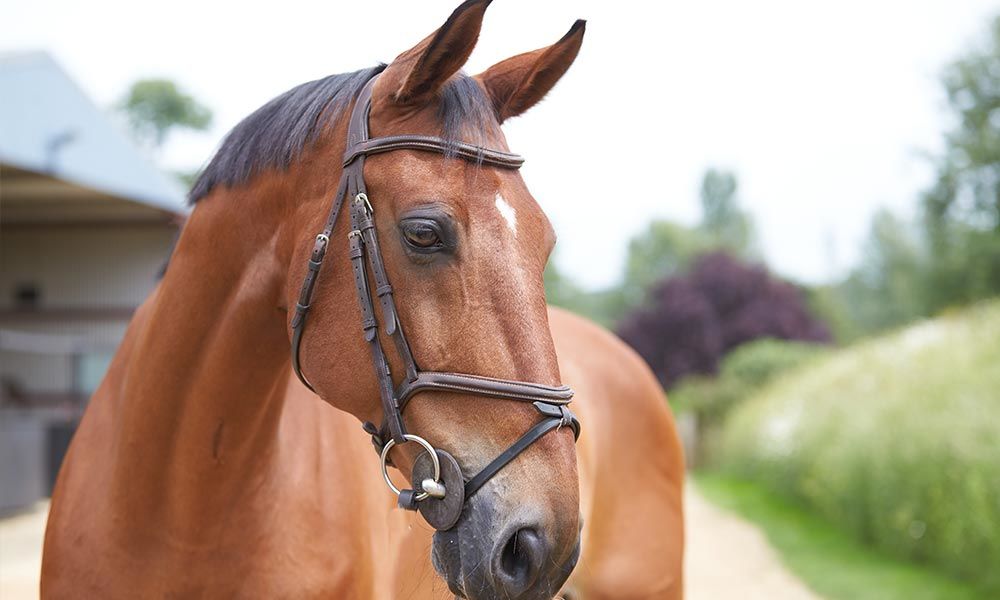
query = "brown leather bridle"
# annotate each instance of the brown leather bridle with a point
(440, 495)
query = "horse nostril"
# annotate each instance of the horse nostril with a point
(519, 562)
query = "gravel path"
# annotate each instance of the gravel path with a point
(21, 553)
(727, 557)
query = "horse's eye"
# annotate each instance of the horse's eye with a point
(422, 235)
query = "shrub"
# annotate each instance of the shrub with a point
(756, 363)
(897, 440)
(743, 372)
(694, 319)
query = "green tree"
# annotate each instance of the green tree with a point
(665, 249)
(560, 290)
(722, 220)
(601, 306)
(952, 257)
(154, 107)
(662, 250)
(962, 209)
(887, 285)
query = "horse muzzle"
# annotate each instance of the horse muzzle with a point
(483, 559)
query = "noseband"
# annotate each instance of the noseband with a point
(441, 489)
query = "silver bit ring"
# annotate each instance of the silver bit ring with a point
(430, 450)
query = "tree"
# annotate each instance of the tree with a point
(887, 286)
(722, 221)
(663, 250)
(952, 257)
(602, 306)
(961, 210)
(666, 249)
(695, 318)
(154, 107)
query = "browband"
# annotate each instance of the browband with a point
(486, 156)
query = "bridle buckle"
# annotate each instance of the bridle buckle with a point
(362, 200)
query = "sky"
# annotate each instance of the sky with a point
(826, 111)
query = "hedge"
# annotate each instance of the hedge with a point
(896, 440)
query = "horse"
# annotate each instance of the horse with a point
(220, 456)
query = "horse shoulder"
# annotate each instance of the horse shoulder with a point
(344, 511)
(76, 532)
(631, 466)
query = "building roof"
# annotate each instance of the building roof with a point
(49, 126)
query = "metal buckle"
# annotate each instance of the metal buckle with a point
(362, 200)
(353, 233)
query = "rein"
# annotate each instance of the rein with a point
(441, 488)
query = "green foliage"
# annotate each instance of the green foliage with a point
(952, 256)
(711, 398)
(826, 557)
(663, 250)
(744, 372)
(601, 306)
(833, 304)
(155, 106)
(756, 363)
(962, 210)
(886, 289)
(723, 223)
(968, 188)
(666, 249)
(894, 440)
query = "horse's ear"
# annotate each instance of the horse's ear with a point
(518, 83)
(418, 73)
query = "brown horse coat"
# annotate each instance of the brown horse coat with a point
(204, 469)
(320, 541)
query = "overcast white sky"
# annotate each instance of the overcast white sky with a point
(824, 110)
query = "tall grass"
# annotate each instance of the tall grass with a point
(897, 440)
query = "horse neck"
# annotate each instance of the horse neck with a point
(204, 382)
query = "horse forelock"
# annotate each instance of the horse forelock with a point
(274, 136)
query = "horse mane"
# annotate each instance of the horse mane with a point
(276, 134)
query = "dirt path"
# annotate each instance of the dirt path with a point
(730, 558)
(727, 558)
(21, 553)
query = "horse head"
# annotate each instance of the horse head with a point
(450, 246)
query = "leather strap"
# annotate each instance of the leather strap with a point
(477, 154)
(565, 418)
(484, 386)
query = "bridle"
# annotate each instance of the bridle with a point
(441, 488)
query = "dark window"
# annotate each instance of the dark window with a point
(27, 296)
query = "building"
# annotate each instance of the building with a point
(86, 225)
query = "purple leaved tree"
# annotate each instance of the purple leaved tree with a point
(692, 320)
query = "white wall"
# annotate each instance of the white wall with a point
(81, 273)
(78, 267)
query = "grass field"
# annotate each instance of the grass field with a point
(827, 559)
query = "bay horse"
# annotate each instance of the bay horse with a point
(205, 468)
